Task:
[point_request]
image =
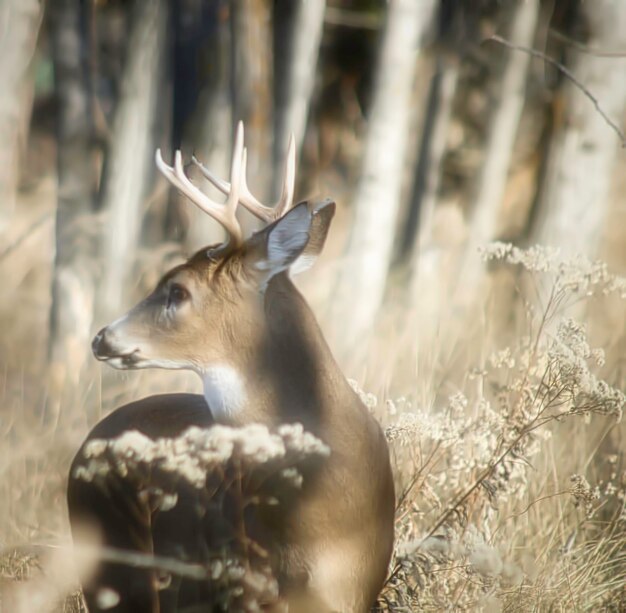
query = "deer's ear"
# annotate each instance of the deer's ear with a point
(292, 242)
(275, 248)
(322, 214)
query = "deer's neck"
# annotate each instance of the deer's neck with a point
(225, 392)
(286, 374)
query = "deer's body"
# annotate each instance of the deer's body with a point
(238, 321)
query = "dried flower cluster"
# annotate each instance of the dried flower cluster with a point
(465, 462)
(577, 274)
(583, 494)
(228, 468)
(198, 451)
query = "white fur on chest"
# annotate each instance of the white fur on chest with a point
(224, 391)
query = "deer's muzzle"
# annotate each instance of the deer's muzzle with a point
(106, 349)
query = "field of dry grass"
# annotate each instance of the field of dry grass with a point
(501, 395)
(503, 416)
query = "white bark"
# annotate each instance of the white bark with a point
(19, 25)
(252, 79)
(361, 282)
(213, 148)
(574, 200)
(215, 154)
(449, 74)
(130, 162)
(73, 278)
(502, 134)
(300, 79)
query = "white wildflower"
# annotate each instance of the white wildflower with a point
(133, 444)
(258, 444)
(94, 448)
(502, 359)
(292, 475)
(578, 274)
(367, 398)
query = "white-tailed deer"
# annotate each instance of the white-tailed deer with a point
(232, 315)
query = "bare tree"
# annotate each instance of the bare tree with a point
(130, 159)
(73, 277)
(252, 86)
(428, 173)
(299, 62)
(361, 282)
(501, 137)
(19, 25)
(574, 201)
(213, 144)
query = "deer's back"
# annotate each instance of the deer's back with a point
(317, 537)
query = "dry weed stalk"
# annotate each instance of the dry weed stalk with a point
(475, 530)
(467, 462)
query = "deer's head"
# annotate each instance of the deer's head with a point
(205, 310)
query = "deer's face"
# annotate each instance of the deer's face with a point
(205, 314)
(186, 322)
(205, 311)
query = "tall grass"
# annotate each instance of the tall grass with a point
(507, 444)
(512, 494)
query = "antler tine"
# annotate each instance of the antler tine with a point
(255, 206)
(222, 213)
(237, 168)
(247, 198)
(223, 186)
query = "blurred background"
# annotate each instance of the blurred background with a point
(433, 138)
(436, 125)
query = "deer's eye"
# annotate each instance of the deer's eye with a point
(177, 294)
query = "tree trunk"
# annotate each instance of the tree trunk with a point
(19, 22)
(214, 142)
(573, 206)
(417, 235)
(501, 140)
(252, 88)
(72, 285)
(297, 59)
(130, 160)
(362, 279)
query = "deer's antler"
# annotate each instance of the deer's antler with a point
(225, 213)
(255, 206)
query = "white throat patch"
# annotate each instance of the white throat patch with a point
(223, 391)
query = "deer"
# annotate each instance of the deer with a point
(232, 314)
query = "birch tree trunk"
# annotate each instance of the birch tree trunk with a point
(574, 204)
(501, 139)
(252, 88)
(73, 277)
(426, 288)
(214, 144)
(300, 61)
(428, 174)
(130, 160)
(361, 281)
(19, 26)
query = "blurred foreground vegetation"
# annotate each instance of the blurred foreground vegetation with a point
(499, 377)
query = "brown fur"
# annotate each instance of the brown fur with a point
(331, 545)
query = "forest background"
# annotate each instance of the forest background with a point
(439, 127)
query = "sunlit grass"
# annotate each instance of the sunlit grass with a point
(487, 421)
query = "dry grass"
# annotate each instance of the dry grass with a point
(508, 451)
(512, 493)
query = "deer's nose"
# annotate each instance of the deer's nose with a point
(101, 346)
